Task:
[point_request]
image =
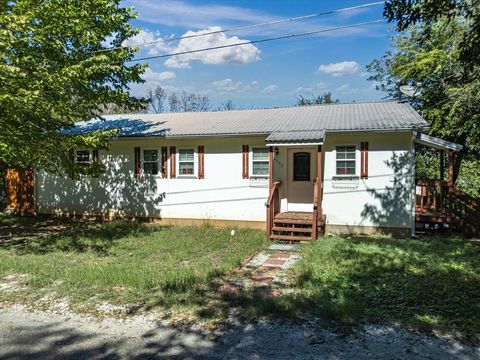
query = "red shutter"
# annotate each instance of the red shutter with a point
(364, 160)
(164, 162)
(137, 162)
(201, 167)
(173, 162)
(245, 161)
(95, 155)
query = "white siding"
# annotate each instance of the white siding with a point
(222, 194)
(384, 199)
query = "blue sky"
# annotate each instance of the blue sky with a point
(267, 74)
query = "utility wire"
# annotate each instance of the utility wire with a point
(258, 41)
(274, 22)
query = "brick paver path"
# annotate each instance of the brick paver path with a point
(268, 270)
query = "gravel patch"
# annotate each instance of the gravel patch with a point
(41, 335)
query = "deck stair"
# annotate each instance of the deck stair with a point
(293, 227)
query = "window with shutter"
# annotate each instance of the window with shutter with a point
(150, 161)
(260, 162)
(186, 162)
(346, 160)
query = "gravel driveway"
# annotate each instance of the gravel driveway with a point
(46, 335)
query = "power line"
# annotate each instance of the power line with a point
(258, 41)
(273, 22)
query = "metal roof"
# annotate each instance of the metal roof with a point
(369, 116)
(311, 136)
(437, 143)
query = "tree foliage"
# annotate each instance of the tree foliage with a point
(408, 13)
(54, 73)
(436, 53)
(326, 98)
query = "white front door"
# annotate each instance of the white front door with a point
(301, 172)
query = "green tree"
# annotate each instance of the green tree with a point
(55, 72)
(408, 13)
(431, 57)
(326, 98)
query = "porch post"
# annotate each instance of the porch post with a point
(270, 211)
(320, 181)
(270, 168)
(450, 167)
(442, 164)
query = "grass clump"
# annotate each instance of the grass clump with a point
(431, 284)
(123, 262)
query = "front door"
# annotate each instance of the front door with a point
(301, 172)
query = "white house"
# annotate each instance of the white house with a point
(341, 168)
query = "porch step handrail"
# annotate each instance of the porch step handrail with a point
(273, 205)
(315, 209)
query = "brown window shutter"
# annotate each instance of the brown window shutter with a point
(245, 161)
(364, 160)
(95, 155)
(164, 162)
(137, 162)
(173, 162)
(201, 164)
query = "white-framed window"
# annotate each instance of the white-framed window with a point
(83, 157)
(186, 162)
(346, 160)
(150, 161)
(260, 162)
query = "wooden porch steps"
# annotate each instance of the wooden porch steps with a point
(292, 227)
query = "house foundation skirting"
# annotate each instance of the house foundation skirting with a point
(366, 230)
(220, 223)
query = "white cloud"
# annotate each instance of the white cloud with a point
(147, 36)
(227, 85)
(270, 89)
(180, 13)
(340, 68)
(152, 76)
(237, 54)
(347, 89)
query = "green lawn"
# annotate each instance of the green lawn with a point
(431, 283)
(119, 262)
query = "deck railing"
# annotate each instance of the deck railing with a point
(439, 197)
(273, 205)
(432, 197)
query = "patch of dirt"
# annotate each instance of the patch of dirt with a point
(13, 282)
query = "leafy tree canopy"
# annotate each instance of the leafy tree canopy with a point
(437, 52)
(53, 73)
(408, 13)
(326, 98)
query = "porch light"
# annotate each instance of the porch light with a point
(276, 151)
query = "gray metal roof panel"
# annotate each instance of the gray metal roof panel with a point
(297, 136)
(382, 115)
